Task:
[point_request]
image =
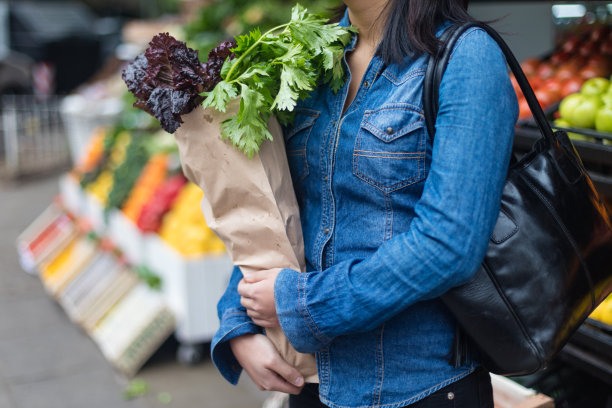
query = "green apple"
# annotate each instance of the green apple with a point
(569, 103)
(603, 119)
(562, 123)
(607, 98)
(583, 114)
(595, 86)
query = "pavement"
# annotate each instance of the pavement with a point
(46, 361)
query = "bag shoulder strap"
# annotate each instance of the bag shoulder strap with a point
(437, 65)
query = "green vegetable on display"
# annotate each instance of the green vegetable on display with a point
(269, 72)
(126, 174)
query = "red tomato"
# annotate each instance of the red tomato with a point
(535, 81)
(545, 70)
(553, 86)
(530, 65)
(544, 97)
(599, 33)
(588, 49)
(597, 60)
(559, 57)
(571, 86)
(606, 48)
(593, 71)
(571, 44)
(566, 71)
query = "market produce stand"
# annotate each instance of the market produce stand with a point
(125, 251)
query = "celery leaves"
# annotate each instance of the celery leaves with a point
(272, 71)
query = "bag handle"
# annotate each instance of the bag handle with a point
(437, 65)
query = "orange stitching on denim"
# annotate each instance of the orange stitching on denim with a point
(406, 156)
(395, 106)
(398, 81)
(393, 153)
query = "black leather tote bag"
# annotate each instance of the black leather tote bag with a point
(549, 260)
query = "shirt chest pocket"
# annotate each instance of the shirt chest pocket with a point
(389, 151)
(296, 141)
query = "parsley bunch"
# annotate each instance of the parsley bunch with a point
(271, 71)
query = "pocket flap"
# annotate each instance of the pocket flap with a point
(392, 121)
(304, 118)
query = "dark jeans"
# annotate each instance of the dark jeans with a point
(473, 391)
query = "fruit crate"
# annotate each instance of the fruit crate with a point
(191, 286)
(126, 236)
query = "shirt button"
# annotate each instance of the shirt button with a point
(450, 395)
(326, 231)
(366, 84)
(325, 178)
(389, 130)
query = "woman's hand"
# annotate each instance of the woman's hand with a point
(257, 296)
(262, 362)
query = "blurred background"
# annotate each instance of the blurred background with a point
(109, 276)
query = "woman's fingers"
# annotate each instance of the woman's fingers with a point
(262, 362)
(287, 372)
(274, 382)
(258, 300)
(248, 303)
(245, 289)
(257, 276)
(265, 322)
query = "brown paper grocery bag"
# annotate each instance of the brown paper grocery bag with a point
(249, 203)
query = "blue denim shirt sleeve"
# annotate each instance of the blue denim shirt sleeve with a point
(454, 218)
(234, 322)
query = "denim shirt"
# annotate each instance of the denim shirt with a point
(390, 222)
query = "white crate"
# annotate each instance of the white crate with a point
(133, 329)
(73, 197)
(93, 213)
(191, 286)
(65, 231)
(126, 236)
(81, 116)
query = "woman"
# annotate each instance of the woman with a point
(390, 220)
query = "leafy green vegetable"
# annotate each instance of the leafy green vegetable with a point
(126, 174)
(272, 71)
(136, 388)
(268, 72)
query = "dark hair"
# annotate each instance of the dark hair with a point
(410, 29)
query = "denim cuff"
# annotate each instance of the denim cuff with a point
(234, 323)
(295, 319)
